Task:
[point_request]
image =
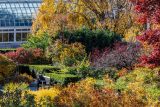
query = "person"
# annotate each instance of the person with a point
(41, 80)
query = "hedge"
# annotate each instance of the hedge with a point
(44, 68)
(90, 38)
(63, 79)
(5, 50)
(34, 69)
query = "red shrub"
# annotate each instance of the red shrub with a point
(23, 56)
(121, 55)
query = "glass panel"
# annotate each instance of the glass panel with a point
(18, 37)
(11, 37)
(5, 37)
(16, 9)
(5, 30)
(2, 23)
(25, 29)
(18, 29)
(7, 23)
(11, 30)
(0, 37)
(24, 36)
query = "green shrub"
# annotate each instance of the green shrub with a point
(7, 67)
(85, 70)
(40, 41)
(11, 87)
(63, 79)
(25, 78)
(90, 38)
(11, 99)
(143, 82)
(15, 96)
(40, 69)
(66, 54)
(100, 83)
(121, 84)
(12, 95)
(23, 69)
(43, 68)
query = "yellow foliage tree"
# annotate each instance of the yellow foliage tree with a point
(50, 16)
(44, 16)
(113, 15)
(54, 15)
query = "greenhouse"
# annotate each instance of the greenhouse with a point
(16, 17)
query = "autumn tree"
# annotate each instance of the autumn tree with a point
(51, 17)
(114, 15)
(149, 12)
(46, 10)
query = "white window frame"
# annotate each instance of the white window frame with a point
(15, 32)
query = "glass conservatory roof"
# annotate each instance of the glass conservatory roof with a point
(18, 12)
